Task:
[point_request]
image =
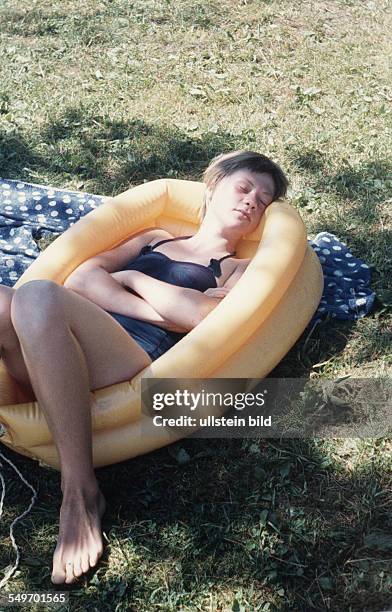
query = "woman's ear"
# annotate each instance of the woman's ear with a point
(208, 196)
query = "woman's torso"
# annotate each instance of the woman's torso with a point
(177, 266)
(172, 261)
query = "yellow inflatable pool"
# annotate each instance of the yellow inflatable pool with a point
(245, 336)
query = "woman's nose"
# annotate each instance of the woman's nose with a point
(250, 202)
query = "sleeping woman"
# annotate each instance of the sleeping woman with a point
(115, 314)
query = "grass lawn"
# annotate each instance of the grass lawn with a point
(99, 96)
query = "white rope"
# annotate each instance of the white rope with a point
(15, 546)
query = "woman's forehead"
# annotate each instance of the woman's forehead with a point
(261, 179)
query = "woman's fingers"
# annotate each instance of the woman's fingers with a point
(218, 292)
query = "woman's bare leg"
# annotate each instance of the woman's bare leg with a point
(71, 346)
(10, 350)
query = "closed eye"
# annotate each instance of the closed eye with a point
(260, 202)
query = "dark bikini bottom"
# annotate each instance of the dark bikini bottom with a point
(153, 339)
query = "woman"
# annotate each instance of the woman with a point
(116, 313)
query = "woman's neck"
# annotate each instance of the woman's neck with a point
(212, 238)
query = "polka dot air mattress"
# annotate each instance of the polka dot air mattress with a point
(29, 213)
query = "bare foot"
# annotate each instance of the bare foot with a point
(79, 545)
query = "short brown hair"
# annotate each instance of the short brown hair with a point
(226, 164)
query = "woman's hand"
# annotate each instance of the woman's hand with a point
(217, 292)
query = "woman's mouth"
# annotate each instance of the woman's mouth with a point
(243, 214)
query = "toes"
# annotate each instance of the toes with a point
(95, 554)
(70, 576)
(58, 577)
(93, 557)
(84, 563)
(58, 572)
(78, 568)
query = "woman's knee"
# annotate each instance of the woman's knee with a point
(35, 303)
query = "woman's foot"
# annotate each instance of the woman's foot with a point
(79, 545)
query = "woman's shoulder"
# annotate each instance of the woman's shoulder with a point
(115, 258)
(157, 234)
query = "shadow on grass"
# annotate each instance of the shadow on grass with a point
(110, 155)
(245, 514)
(326, 341)
(89, 28)
(240, 514)
(357, 219)
(92, 28)
(364, 186)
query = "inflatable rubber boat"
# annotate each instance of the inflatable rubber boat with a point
(245, 336)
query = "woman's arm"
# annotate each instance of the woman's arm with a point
(117, 257)
(100, 287)
(186, 307)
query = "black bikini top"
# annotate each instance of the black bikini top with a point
(181, 273)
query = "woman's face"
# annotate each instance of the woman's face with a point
(239, 200)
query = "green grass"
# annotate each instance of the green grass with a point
(101, 96)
